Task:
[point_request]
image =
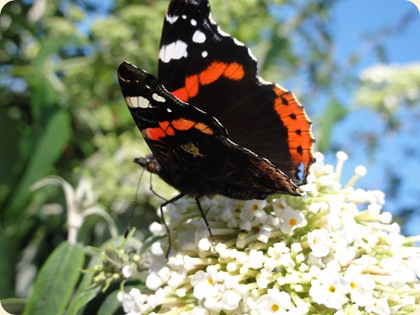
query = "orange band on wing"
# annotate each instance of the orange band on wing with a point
(186, 124)
(232, 71)
(298, 126)
(168, 128)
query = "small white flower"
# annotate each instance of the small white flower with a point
(132, 301)
(177, 278)
(199, 310)
(286, 260)
(127, 271)
(330, 288)
(264, 234)
(256, 259)
(290, 220)
(204, 244)
(252, 214)
(319, 242)
(156, 228)
(274, 302)
(360, 285)
(379, 307)
(205, 284)
(153, 281)
(230, 300)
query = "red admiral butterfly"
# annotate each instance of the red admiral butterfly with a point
(212, 125)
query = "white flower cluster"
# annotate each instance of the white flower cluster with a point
(330, 252)
(389, 86)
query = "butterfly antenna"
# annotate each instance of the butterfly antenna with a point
(134, 205)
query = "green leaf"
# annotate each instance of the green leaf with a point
(110, 304)
(9, 245)
(9, 140)
(43, 79)
(82, 298)
(56, 281)
(45, 153)
(85, 291)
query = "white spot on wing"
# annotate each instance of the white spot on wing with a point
(172, 19)
(199, 37)
(193, 22)
(173, 51)
(137, 102)
(204, 54)
(158, 98)
(184, 16)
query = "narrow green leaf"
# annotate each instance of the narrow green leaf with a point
(86, 291)
(45, 153)
(110, 304)
(9, 139)
(8, 262)
(45, 85)
(56, 281)
(82, 298)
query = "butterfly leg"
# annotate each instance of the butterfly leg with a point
(203, 215)
(177, 197)
(154, 191)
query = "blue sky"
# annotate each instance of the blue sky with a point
(352, 20)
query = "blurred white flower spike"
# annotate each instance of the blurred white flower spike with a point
(415, 2)
(3, 3)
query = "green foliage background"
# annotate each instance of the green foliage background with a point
(62, 112)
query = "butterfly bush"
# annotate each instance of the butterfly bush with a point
(332, 251)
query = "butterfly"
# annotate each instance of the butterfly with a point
(212, 124)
